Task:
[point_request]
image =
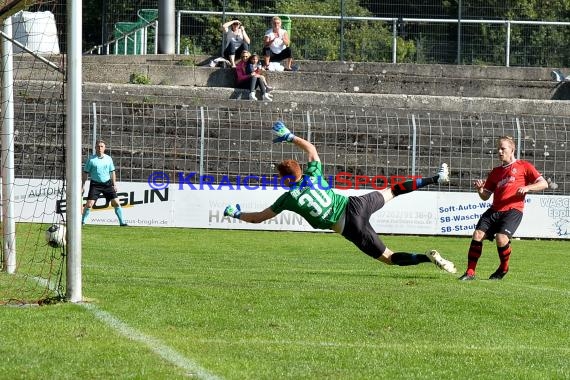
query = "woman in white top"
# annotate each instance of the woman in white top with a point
(276, 45)
(236, 40)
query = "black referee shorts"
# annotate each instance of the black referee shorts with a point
(101, 189)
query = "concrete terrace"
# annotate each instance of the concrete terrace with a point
(475, 89)
(145, 117)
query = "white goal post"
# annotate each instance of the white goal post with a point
(35, 272)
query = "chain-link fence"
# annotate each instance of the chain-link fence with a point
(223, 141)
(457, 32)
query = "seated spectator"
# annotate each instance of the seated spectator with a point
(276, 45)
(249, 81)
(242, 78)
(255, 68)
(236, 40)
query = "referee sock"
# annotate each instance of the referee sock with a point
(85, 216)
(410, 185)
(404, 258)
(119, 213)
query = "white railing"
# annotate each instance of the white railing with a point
(393, 21)
(112, 47)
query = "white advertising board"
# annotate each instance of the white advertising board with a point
(418, 213)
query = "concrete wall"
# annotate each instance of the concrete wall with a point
(451, 88)
(326, 84)
(140, 115)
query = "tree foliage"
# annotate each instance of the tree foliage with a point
(341, 37)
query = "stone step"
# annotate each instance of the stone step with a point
(315, 101)
(337, 77)
(332, 78)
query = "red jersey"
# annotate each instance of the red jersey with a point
(504, 181)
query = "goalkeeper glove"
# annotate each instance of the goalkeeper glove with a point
(234, 212)
(282, 132)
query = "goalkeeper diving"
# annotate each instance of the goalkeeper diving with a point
(349, 216)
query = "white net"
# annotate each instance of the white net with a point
(32, 145)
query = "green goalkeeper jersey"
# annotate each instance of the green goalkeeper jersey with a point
(313, 198)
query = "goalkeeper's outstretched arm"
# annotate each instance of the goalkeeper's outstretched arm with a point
(257, 217)
(307, 147)
(250, 217)
(283, 134)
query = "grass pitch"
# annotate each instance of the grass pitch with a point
(176, 303)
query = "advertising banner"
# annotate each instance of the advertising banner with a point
(418, 213)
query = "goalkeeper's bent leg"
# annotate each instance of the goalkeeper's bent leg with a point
(412, 184)
(405, 258)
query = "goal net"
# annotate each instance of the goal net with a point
(32, 150)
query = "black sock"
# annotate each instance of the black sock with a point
(412, 184)
(404, 258)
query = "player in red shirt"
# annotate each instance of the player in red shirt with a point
(508, 183)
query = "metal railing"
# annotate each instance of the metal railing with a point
(396, 25)
(138, 39)
(503, 48)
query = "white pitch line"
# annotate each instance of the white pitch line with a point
(159, 348)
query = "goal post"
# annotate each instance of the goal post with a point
(73, 157)
(41, 118)
(7, 158)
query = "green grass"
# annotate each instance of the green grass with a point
(279, 305)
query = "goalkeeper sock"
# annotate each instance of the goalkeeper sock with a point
(504, 256)
(475, 251)
(404, 258)
(85, 216)
(410, 185)
(119, 213)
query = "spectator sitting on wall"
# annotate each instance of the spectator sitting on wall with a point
(248, 80)
(236, 40)
(276, 45)
(255, 68)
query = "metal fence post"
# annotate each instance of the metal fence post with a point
(459, 33)
(394, 40)
(508, 45)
